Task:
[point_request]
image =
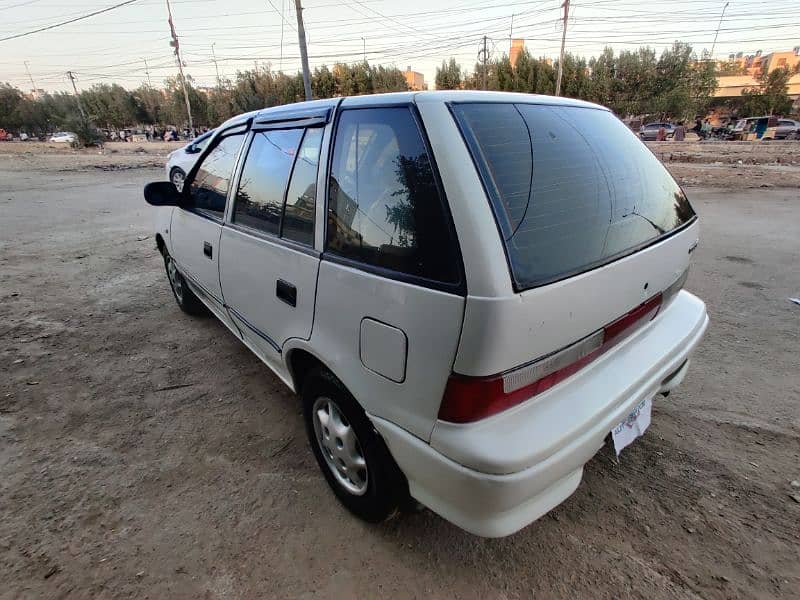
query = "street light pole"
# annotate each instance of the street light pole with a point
(718, 26)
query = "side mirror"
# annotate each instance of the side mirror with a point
(162, 193)
(192, 149)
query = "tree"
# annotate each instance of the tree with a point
(149, 104)
(501, 75)
(448, 76)
(323, 84)
(770, 97)
(10, 98)
(111, 106)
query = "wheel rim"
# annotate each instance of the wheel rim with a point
(177, 180)
(175, 279)
(340, 447)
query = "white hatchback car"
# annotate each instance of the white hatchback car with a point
(470, 290)
(181, 161)
(64, 137)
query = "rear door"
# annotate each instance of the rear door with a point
(268, 267)
(391, 288)
(195, 228)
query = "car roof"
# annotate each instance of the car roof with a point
(407, 97)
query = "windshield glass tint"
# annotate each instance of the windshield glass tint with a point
(572, 188)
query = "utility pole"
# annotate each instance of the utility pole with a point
(563, 42)
(363, 39)
(77, 96)
(718, 26)
(147, 72)
(283, 20)
(33, 84)
(175, 44)
(301, 34)
(484, 60)
(214, 58)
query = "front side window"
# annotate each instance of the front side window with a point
(209, 188)
(384, 208)
(259, 199)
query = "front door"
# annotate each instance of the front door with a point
(268, 267)
(195, 228)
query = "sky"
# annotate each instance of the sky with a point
(130, 43)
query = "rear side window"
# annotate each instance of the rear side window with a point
(384, 208)
(298, 215)
(209, 188)
(259, 199)
(572, 188)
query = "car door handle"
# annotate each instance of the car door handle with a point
(286, 292)
(208, 250)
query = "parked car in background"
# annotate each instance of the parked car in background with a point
(650, 131)
(64, 137)
(452, 339)
(788, 129)
(180, 161)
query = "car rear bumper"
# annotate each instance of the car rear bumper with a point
(496, 476)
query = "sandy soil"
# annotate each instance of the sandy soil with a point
(147, 454)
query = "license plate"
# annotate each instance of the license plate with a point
(633, 426)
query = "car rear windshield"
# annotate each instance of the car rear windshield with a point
(572, 188)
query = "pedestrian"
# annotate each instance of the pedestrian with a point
(705, 129)
(661, 135)
(680, 132)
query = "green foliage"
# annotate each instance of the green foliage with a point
(771, 97)
(448, 76)
(10, 98)
(634, 82)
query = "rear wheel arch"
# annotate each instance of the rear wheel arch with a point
(161, 244)
(301, 363)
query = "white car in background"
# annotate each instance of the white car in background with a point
(181, 161)
(64, 137)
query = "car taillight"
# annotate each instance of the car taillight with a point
(468, 399)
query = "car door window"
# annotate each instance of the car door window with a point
(209, 188)
(299, 212)
(384, 206)
(262, 186)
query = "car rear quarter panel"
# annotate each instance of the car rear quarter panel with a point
(500, 333)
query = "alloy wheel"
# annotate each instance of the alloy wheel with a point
(340, 446)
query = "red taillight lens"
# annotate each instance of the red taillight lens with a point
(468, 399)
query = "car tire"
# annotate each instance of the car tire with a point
(177, 176)
(187, 300)
(351, 454)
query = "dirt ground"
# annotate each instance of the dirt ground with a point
(147, 454)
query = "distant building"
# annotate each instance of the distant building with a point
(517, 46)
(414, 80)
(732, 86)
(35, 94)
(755, 64)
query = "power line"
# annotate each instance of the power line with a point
(92, 14)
